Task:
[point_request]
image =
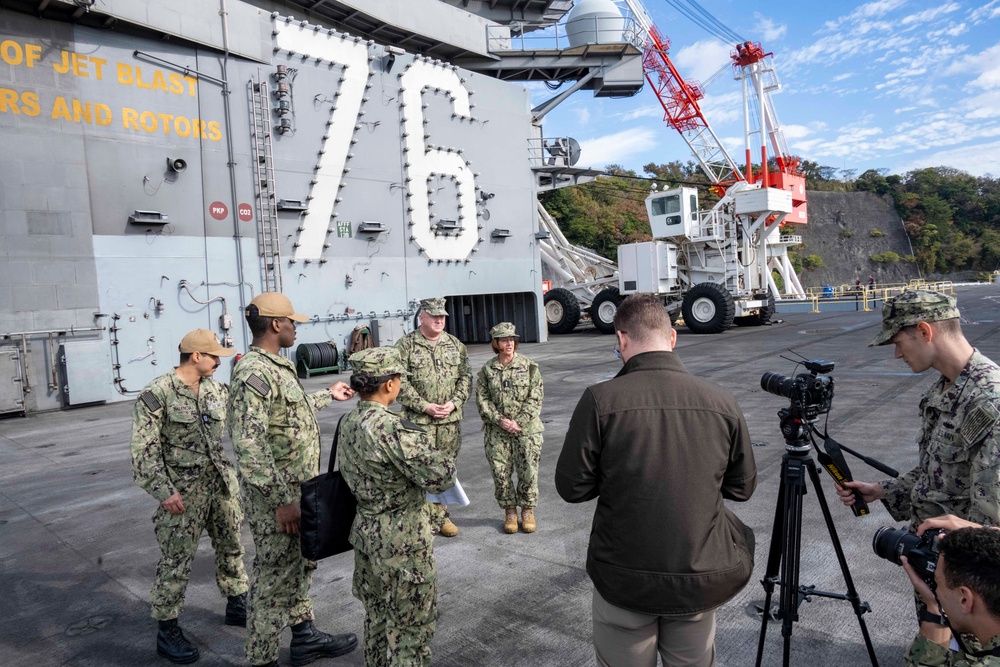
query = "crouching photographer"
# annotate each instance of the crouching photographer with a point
(961, 591)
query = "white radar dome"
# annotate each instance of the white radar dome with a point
(594, 22)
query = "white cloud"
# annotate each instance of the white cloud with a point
(720, 109)
(701, 60)
(769, 29)
(983, 106)
(796, 131)
(842, 77)
(977, 160)
(953, 30)
(990, 10)
(582, 115)
(930, 14)
(867, 11)
(648, 111)
(616, 148)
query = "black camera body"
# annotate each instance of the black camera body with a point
(921, 552)
(810, 394)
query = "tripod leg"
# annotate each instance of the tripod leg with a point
(789, 608)
(773, 563)
(852, 593)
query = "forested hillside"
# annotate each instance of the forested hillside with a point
(951, 219)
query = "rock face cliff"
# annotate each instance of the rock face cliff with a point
(845, 229)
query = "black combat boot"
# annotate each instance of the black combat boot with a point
(236, 610)
(173, 645)
(310, 644)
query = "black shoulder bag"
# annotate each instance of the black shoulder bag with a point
(328, 510)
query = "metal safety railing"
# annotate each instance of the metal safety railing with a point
(526, 36)
(867, 297)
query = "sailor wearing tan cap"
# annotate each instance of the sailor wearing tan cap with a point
(177, 457)
(276, 439)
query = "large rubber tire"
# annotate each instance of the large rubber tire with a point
(708, 309)
(603, 309)
(562, 310)
(762, 317)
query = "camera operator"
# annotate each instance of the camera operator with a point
(959, 467)
(967, 590)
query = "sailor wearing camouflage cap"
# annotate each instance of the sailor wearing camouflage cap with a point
(911, 307)
(377, 362)
(390, 464)
(434, 306)
(439, 383)
(509, 397)
(959, 462)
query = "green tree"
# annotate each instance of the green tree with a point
(812, 262)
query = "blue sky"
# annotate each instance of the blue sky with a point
(895, 84)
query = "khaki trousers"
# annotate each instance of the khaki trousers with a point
(624, 638)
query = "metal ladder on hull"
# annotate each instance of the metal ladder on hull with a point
(268, 241)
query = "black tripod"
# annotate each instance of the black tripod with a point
(786, 540)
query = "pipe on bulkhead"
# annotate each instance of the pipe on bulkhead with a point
(231, 154)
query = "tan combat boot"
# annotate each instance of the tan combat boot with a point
(448, 529)
(510, 520)
(528, 519)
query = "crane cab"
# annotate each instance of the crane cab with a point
(673, 213)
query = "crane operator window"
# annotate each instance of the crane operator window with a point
(669, 206)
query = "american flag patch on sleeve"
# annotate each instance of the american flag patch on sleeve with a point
(150, 400)
(257, 383)
(979, 420)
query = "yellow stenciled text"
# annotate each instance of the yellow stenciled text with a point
(182, 126)
(81, 112)
(79, 65)
(13, 102)
(13, 53)
(171, 82)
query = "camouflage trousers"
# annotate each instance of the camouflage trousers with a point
(208, 507)
(400, 600)
(509, 454)
(279, 584)
(446, 438)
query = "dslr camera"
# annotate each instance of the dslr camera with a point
(921, 552)
(811, 394)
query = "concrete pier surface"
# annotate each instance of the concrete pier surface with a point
(78, 555)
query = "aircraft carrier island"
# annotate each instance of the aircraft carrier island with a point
(165, 162)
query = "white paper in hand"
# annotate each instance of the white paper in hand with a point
(453, 496)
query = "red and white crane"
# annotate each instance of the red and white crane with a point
(682, 111)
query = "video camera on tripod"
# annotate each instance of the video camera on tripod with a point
(810, 395)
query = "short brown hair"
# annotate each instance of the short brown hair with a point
(642, 315)
(496, 346)
(947, 328)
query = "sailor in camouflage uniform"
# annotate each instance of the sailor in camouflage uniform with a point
(965, 600)
(390, 463)
(276, 439)
(440, 381)
(177, 457)
(958, 470)
(509, 397)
